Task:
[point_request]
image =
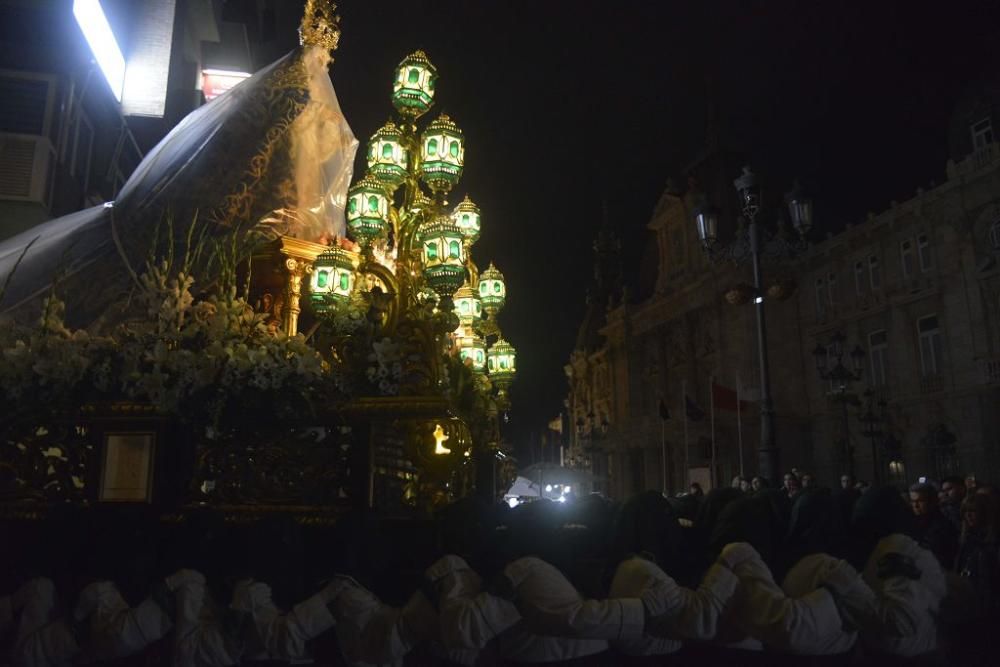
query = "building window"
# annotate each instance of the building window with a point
(931, 346)
(995, 235)
(821, 297)
(878, 351)
(924, 252)
(874, 273)
(906, 258)
(859, 278)
(831, 289)
(982, 134)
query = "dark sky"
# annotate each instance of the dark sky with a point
(564, 104)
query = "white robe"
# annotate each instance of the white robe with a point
(44, 637)
(558, 623)
(117, 630)
(282, 636)
(798, 625)
(201, 638)
(469, 618)
(803, 580)
(680, 613)
(904, 617)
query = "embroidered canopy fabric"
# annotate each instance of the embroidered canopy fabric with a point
(274, 155)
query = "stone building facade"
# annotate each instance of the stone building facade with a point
(652, 383)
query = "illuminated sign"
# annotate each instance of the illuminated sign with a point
(94, 24)
(214, 82)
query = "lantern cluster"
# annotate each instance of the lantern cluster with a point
(429, 240)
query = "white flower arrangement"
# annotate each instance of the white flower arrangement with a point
(183, 356)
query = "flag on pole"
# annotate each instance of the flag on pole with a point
(693, 410)
(728, 399)
(711, 407)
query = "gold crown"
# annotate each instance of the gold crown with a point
(320, 25)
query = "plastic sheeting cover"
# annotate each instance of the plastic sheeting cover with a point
(273, 154)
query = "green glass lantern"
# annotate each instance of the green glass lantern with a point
(468, 306)
(502, 362)
(367, 211)
(492, 290)
(468, 219)
(472, 349)
(443, 255)
(332, 277)
(387, 158)
(442, 154)
(413, 90)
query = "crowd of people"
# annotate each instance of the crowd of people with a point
(744, 575)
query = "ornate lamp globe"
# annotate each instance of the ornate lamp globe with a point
(472, 349)
(413, 89)
(800, 208)
(387, 158)
(442, 154)
(443, 255)
(367, 210)
(501, 363)
(468, 219)
(332, 278)
(492, 290)
(468, 306)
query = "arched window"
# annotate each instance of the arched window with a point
(431, 250)
(373, 204)
(453, 149)
(413, 76)
(321, 279)
(345, 281)
(387, 151)
(454, 249)
(432, 146)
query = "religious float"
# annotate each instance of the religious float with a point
(242, 328)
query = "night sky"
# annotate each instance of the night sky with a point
(565, 104)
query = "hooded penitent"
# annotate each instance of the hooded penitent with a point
(748, 520)
(878, 513)
(815, 527)
(646, 526)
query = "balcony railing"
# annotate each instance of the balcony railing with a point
(931, 384)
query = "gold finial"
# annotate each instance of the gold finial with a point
(320, 25)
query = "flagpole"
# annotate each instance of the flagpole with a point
(711, 412)
(663, 449)
(687, 453)
(739, 419)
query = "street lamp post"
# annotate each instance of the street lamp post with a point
(754, 241)
(871, 426)
(841, 377)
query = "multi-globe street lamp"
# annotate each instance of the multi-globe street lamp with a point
(755, 242)
(841, 377)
